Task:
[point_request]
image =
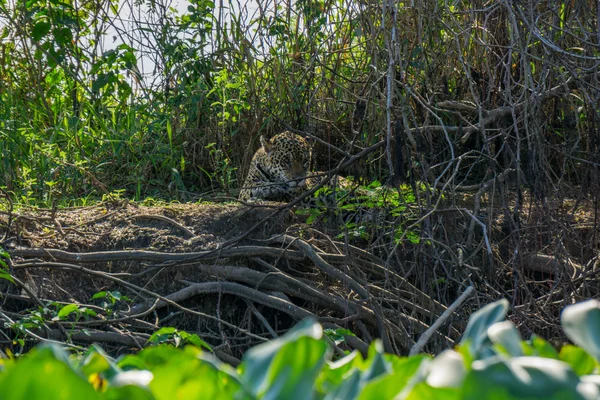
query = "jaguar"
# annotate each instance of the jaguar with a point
(279, 170)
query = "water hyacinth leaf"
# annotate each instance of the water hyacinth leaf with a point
(521, 378)
(581, 323)
(286, 367)
(348, 389)
(398, 374)
(581, 362)
(506, 335)
(537, 346)
(590, 386)
(96, 361)
(335, 373)
(423, 391)
(129, 392)
(136, 378)
(475, 335)
(447, 370)
(187, 375)
(376, 364)
(44, 373)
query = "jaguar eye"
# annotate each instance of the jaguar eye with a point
(307, 165)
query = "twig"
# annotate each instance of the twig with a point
(434, 327)
(165, 219)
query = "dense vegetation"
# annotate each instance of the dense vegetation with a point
(491, 363)
(472, 129)
(468, 89)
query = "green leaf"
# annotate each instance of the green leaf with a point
(6, 275)
(423, 391)
(581, 323)
(506, 335)
(447, 370)
(541, 348)
(286, 367)
(348, 389)
(44, 373)
(162, 334)
(195, 340)
(581, 362)
(389, 384)
(63, 36)
(67, 310)
(96, 361)
(521, 378)
(100, 82)
(376, 363)
(128, 392)
(190, 374)
(40, 29)
(99, 295)
(336, 374)
(475, 335)
(116, 295)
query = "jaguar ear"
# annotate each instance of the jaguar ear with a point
(265, 144)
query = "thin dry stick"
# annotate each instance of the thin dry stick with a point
(434, 327)
(165, 219)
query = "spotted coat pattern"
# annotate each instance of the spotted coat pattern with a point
(278, 170)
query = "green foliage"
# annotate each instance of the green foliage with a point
(364, 208)
(581, 323)
(4, 273)
(178, 337)
(297, 366)
(109, 301)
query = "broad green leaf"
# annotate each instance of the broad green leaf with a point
(581, 323)
(521, 378)
(447, 370)
(195, 340)
(423, 391)
(286, 367)
(44, 373)
(397, 375)
(475, 335)
(138, 378)
(97, 362)
(506, 335)
(348, 389)
(129, 392)
(581, 362)
(335, 373)
(191, 374)
(40, 29)
(162, 334)
(99, 295)
(131, 361)
(67, 310)
(539, 347)
(376, 364)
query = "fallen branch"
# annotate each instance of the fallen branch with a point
(435, 326)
